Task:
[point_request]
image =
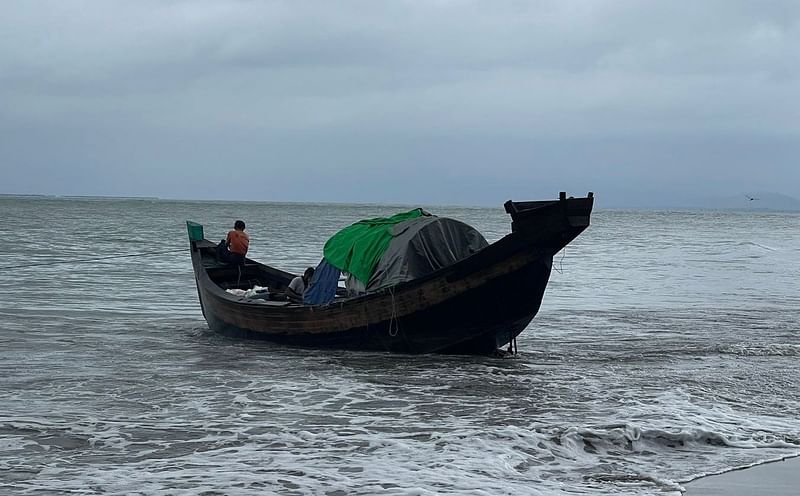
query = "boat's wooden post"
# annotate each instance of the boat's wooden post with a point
(195, 231)
(511, 210)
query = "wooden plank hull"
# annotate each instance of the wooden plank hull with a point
(474, 322)
(472, 307)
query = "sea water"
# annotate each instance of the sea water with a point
(666, 347)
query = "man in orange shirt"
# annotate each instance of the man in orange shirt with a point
(237, 244)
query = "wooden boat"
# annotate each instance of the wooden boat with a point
(475, 306)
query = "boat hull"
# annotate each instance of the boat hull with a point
(474, 306)
(475, 322)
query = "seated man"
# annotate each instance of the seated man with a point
(299, 285)
(234, 248)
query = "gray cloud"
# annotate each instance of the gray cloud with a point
(436, 102)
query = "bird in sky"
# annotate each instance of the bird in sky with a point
(751, 198)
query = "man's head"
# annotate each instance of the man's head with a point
(308, 274)
(239, 225)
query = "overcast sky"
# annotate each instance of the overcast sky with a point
(436, 102)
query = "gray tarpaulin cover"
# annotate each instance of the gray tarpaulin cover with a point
(422, 245)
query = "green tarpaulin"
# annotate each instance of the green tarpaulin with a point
(358, 248)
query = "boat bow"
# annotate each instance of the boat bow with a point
(550, 225)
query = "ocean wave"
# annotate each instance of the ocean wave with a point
(775, 349)
(632, 438)
(754, 244)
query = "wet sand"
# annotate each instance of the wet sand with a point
(781, 478)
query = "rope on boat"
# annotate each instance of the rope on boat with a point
(86, 260)
(393, 318)
(560, 268)
(512, 345)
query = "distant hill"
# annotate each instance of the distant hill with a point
(752, 201)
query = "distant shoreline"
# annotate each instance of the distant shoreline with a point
(599, 206)
(90, 197)
(77, 197)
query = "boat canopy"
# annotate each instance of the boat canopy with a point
(356, 249)
(421, 246)
(384, 252)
